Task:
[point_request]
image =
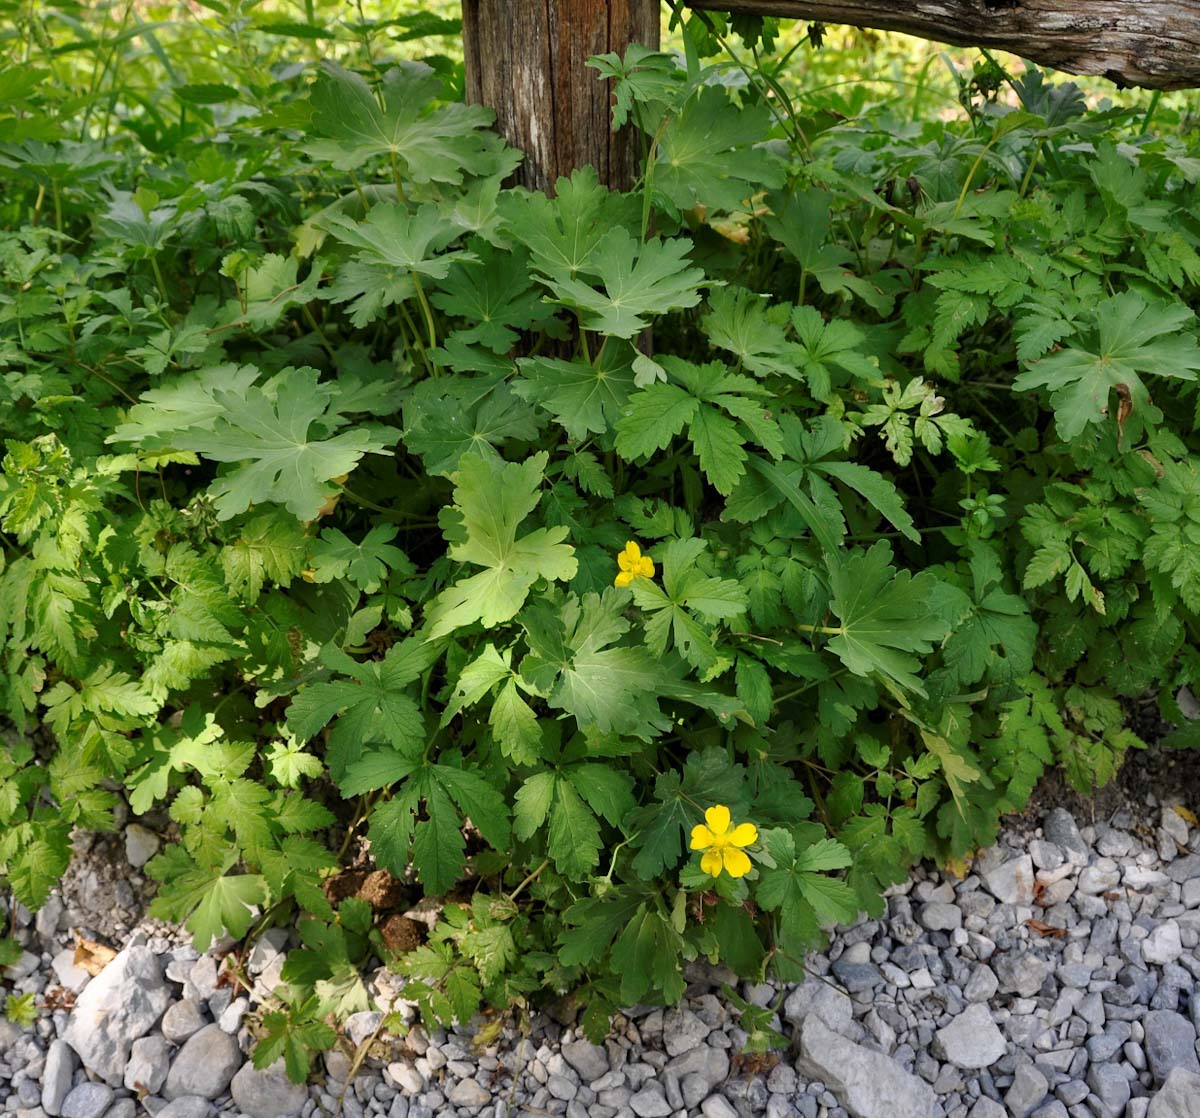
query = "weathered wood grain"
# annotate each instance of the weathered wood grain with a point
(1151, 43)
(525, 59)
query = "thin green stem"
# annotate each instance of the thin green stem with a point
(529, 880)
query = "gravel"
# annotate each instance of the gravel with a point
(1058, 979)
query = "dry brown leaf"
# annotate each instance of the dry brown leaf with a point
(1044, 929)
(91, 956)
(1188, 816)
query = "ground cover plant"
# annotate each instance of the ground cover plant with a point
(649, 576)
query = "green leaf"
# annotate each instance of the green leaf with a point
(491, 501)
(295, 1035)
(646, 956)
(478, 800)
(585, 399)
(1127, 337)
(494, 295)
(372, 704)
(574, 840)
(430, 142)
(438, 845)
(213, 902)
(516, 726)
(885, 616)
(636, 281)
(366, 563)
(532, 804)
(563, 233)
(270, 547)
(572, 664)
(653, 417)
(283, 437)
(709, 156)
(795, 888)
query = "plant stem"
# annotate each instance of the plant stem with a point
(528, 880)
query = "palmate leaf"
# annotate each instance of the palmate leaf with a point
(716, 406)
(662, 825)
(571, 801)
(294, 1035)
(478, 415)
(637, 280)
(885, 616)
(210, 901)
(796, 886)
(707, 155)
(490, 501)
(372, 704)
(430, 142)
(270, 546)
(281, 434)
(1127, 337)
(449, 792)
(686, 604)
(585, 398)
(366, 563)
(494, 294)
(575, 663)
(563, 233)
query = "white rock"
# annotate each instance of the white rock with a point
(69, 976)
(717, 1106)
(971, 1040)
(813, 996)
(590, 1061)
(1179, 1096)
(469, 1093)
(22, 968)
(88, 1100)
(189, 1106)
(231, 1017)
(1104, 874)
(1163, 946)
(149, 1060)
(407, 1078)
(1175, 825)
(182, 1020)
(267, 1093)
(204, 1066)
(123, 1002)
(683, 1031)
(141, 844)
(1012, 881)
(867, 1083)
(57, 1076)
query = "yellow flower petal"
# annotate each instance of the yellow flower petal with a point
(717, 818)
(711, 863)
(736, 862)
(702, 837)
(645, 567)
(744, 834)
(624, 578)
(633, 551)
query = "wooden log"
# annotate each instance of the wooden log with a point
(525, 59)
(1151, 43)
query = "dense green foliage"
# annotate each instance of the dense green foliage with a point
(321, 446)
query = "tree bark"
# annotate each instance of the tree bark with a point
(1152, 43)
(525, 59)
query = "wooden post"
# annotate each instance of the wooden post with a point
(525, 59)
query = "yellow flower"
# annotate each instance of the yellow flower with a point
(633, 565)
(720, 843)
